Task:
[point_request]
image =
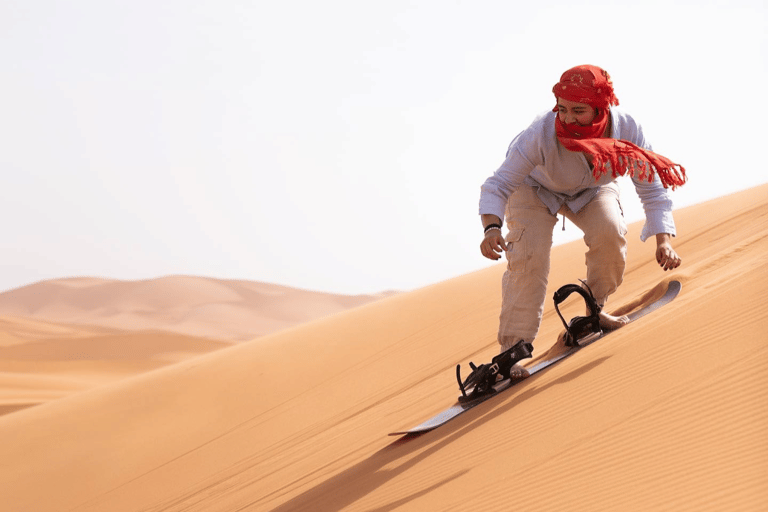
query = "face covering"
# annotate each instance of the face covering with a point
(592, 85)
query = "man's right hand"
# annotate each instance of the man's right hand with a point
(493, 245)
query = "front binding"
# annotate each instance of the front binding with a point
(483, 378)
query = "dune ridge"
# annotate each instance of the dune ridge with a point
(668, 413)
(63, 336)
(231, 310)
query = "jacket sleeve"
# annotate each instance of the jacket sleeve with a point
(658, 208)
(655, 199)
(523, 155)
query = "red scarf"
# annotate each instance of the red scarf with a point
(593, 86)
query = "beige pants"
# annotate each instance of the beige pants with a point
(529, 241)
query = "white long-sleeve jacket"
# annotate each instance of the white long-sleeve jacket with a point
(563, 177)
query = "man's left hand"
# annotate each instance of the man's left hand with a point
(666, 256)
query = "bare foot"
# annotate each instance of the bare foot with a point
(610, 322)
(517, 372)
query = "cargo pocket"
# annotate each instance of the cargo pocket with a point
(516, 256)
(622, 221)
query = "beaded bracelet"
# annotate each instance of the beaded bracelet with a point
(492, 226)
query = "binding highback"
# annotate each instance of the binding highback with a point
(581, 326)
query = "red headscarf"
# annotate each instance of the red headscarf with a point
(593, 86)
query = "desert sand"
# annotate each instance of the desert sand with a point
(668, 413)
(63, 336)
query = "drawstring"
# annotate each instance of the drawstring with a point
(563, 222)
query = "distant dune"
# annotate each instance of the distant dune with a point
(66, 335)
(668, 413)
(196, 306)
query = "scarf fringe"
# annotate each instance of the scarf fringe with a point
(627, 158)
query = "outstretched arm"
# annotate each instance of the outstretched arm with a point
(665, 254)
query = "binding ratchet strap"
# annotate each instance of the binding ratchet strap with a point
(580, 326)
(482, 379)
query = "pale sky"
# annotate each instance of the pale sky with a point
(337, 145)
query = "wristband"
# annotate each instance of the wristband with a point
(492, 226)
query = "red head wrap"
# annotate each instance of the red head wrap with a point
(592, 85)
(587, 84)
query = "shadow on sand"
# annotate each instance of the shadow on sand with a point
(361, 479)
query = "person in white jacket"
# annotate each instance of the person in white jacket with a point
(567, 162)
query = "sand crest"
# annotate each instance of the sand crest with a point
(196, 306)
(63, 336)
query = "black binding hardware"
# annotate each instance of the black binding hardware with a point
(581, 326)
(483, 377)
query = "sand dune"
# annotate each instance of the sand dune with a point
(66, 335)
(668, 413)
(43, 361)
(196, 306)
